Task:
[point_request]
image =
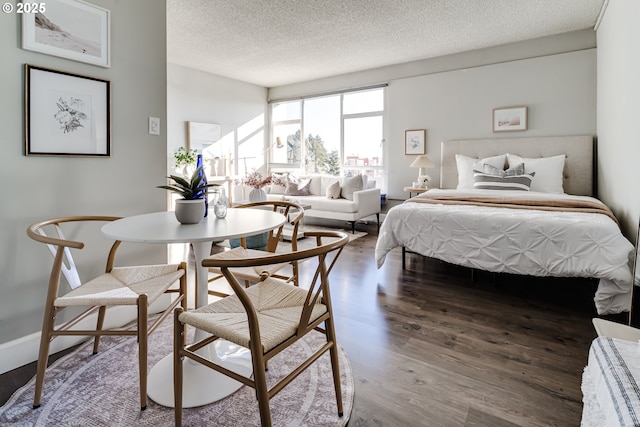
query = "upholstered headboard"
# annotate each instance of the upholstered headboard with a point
(578, 167)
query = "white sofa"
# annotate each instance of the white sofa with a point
(366, 202)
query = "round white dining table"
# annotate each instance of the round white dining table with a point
(202, 385)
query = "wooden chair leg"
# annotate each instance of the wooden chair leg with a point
(183, 285)
(335, 365)
(260, 381)
(178, 346)
(43, 355)
(296, 279)
(99, 324)
(143, 337)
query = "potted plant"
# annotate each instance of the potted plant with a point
(190, 208)
(185, 160)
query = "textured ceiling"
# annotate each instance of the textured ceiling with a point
(277, 42)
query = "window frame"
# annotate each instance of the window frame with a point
(343, 117)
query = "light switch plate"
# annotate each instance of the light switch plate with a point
(154, 125)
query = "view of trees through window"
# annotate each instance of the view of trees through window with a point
(335, 134)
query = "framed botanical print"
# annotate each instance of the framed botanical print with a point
(415, 141)
(66, 114)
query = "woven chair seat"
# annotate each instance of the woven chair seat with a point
(123, 286)
(277, 303)
(248, 273)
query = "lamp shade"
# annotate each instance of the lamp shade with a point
(422, 161)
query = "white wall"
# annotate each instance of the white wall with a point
(36, 188)
(619, 111)
(194, 95)
(559, 91)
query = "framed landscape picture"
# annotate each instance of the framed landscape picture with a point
(415, 141)
(509, 119)
(66, 114)
(72, 29)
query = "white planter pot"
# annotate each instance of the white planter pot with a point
(189, 211)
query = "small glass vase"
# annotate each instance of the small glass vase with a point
(221, 204)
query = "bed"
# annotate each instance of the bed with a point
(555, 229)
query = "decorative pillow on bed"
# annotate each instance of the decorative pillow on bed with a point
(549, 172)
(466, 166)
(487, 181)
(512, 171)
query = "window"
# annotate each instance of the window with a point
(322, 131)
(335, 134)
(362, 121)
(286, 123)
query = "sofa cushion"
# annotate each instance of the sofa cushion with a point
(322, 203)
(333, 190)
(314, 184)
(278, 183)
(325, 182)
(350, 185)
(297, 188)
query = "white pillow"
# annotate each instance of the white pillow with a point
(351, 185)
(333, 190)
(297, 188)
(278, 183)
(549, 172)
(466, 166)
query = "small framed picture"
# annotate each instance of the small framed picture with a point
(72, 29)
(415, 141)
(66, 114)
(508, 119)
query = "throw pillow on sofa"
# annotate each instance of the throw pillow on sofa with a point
(278, 183)
(350, 185)
(333, 190)
(297, 188)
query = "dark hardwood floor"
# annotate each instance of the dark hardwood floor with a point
(430, 347)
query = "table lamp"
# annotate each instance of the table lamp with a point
(422, 162)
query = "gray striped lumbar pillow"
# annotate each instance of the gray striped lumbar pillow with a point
(485, 181)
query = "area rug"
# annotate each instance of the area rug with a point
(102, 390)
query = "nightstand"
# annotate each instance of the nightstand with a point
(416, 190)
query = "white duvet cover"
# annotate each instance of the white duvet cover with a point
(518, 241)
